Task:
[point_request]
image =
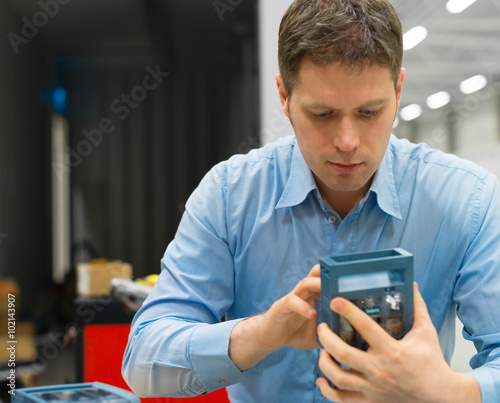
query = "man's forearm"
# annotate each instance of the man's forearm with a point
(245, 348)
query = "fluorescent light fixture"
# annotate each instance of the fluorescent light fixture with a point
(457, 6)
(438, 100)
(473, 84)
(414, 36)
(411, 112)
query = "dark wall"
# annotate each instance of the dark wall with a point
(25, 247)
(129, 189)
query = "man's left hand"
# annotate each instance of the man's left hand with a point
(412, 369)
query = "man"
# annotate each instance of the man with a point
(248, 244)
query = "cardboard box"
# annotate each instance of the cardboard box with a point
(22, 344)
(18, 338)
(94, 278)
(8, 287)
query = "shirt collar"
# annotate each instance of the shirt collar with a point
(385, 189)
(300, 181)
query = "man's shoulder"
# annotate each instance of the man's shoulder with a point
(421, 155)
(277, 153)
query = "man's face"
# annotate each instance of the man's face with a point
(342, 120)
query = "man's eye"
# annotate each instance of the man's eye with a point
(368, 113)
(322, 116)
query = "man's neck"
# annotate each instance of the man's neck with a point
(342, 201)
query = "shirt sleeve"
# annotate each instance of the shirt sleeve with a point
(178, 345)
(477, 291)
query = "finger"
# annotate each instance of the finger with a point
(337, 395)
(343, 378)
(370, 330)
(308, 287)
(294, 304)
(420, 312)
(315, 271)
(345, 354)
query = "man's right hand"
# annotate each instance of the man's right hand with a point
(291, 321)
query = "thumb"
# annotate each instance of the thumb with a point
(420, 313)
(315, 271)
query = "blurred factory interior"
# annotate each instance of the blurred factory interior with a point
(128, 190)
(111, 112)
(125, 75)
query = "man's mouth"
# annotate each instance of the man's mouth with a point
(345, 168)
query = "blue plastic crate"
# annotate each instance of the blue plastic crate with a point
(77, 392)
(376, 282)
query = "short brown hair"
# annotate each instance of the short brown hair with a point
(353, 32)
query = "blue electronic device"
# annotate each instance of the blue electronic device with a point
(380, 283)
(78, 392)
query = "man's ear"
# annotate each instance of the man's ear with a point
(283, 94)
(399, 88)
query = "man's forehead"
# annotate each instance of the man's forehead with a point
(322, 85)
(349, 70)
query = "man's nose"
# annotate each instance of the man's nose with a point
(346, 138)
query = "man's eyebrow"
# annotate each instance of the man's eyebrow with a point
(316, 105)
(324, 105)
(375, 102)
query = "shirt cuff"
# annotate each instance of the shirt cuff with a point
(488, 382)
(208, 352)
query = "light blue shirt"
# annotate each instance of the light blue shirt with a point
(256, 225)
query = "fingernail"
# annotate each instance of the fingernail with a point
(337, 304)
(324, 354)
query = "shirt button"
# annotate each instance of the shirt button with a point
(224, 382)
(332, 219)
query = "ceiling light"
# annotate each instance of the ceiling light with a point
(414, 36)
(473, 84)
(411, 112)
(457, 6)
(438, 100)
